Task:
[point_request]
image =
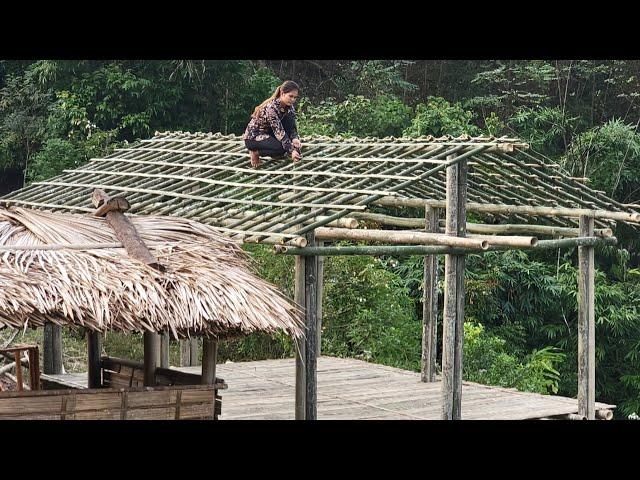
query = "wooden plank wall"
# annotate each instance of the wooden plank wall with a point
(190, 402)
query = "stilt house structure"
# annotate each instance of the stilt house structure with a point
(302, 209)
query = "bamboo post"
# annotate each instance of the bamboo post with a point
(209, 358)
(151, 345)
(429, 303)
(311, 296)
(453, 318)
(94, 348)
(52, 348)
(320, 294)
(19, 384)
(184, 352)
(299, 297)
(193, 351)
(586, 324)
(164, 349)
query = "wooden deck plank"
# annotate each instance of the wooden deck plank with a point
(355, 389)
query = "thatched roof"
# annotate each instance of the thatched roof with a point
(207, 287)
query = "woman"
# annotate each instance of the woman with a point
(272, 130)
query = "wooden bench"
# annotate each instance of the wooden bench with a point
(183, 402)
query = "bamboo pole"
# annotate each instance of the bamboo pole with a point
(299, 297)
(52, 349)
(510, 209)
(604, 414)
(453, 316)
(150, 358)
(397, 236)
(319, 301)
(164, 349)
(586, 324)
(94, 369)
(408, 250)
(429, 304)
(311, 295)
(209, 358)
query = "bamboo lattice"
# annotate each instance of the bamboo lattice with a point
(207, 178)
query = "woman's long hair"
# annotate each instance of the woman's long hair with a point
(286, 87)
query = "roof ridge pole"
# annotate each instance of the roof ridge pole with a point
(299, 298)
(311, 313)
(453, 318)
(586, 324)
(430, 302)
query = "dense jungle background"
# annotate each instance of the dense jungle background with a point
(521, 307)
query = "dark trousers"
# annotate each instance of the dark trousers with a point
(272, 147)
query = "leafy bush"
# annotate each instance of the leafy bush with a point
(384, 115)
(487, 361)
(438, 117)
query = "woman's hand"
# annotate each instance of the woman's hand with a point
(295, 156)
(296, 143)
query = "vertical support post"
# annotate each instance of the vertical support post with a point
(164, 349)
(429, 303)
(94, 348)
(52, 348)
(193, 351)
(184, 352)
(151, 345)
(311, 312)
(586, 324)
(300, 347)
(209, 359)
(17, 355)
(34, 368)
(320, 295)
(453, 318)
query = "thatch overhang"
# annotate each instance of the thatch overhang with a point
(207, 178)
(70, 269)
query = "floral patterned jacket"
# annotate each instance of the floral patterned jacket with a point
(269, 123)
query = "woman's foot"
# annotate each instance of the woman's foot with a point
(255, 159)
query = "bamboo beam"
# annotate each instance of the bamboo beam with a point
(299, 297)
(586, 324)
(429, 304)
(399, 237)
(52, 349)
(408, 250)
(513, 209)
(311, 295)
(604, 414)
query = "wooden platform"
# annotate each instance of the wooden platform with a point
(355, 390)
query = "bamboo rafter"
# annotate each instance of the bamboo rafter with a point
(207, 177)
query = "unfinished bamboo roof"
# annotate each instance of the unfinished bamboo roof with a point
(207, 177)
(70, 269)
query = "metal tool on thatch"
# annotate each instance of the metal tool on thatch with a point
(72, 269)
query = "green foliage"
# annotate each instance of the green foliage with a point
(384, 115)
(438, 117)
(368, 314)
(487, 361)
(546, 129)
(610, 156)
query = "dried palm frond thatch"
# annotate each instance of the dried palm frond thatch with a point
(60, 267)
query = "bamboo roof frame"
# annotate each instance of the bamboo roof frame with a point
(208, 179)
